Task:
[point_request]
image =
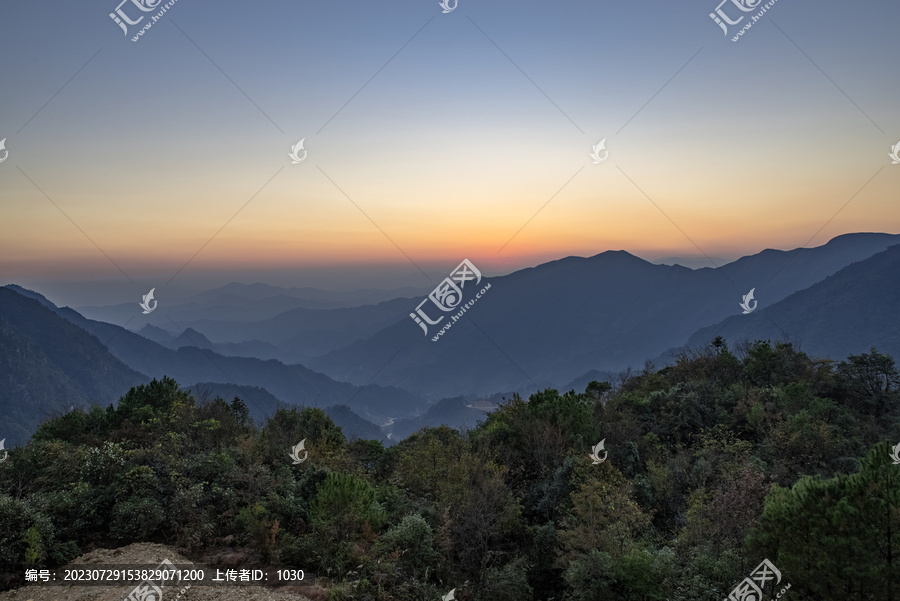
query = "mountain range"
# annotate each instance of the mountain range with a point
(846, 313)
(54, 358)
(551, 324)
(560, 324)
(236, 302)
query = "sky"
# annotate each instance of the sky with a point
(432, 137)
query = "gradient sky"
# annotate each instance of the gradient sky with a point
(481, 117)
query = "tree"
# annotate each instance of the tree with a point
(871, 381)
(344, 517)
(289, 426)
(434, 463)
(604, 516)
(837, 537)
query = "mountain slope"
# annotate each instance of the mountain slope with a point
(47, 364)
(846, 313)
(303, 333)
(292, 384)
(459, 413)
(353, 425)
(548, 325)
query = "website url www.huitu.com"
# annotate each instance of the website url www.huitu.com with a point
(754, 19)
(154, 19)
(454, 318)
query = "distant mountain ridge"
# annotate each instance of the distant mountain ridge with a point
(557, 325)
(551, 324)
(292, 384)
(846, 313)
(299, 334)
(236, 302)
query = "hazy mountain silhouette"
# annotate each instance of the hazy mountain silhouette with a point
(299, 334)
(191, 337)
(48, 365)
(846, 313)
(457, 412)
(560, 325)
(159, 335)
(292, 384)
(316, 297)
(242, 303)
(353, 425)
(549, 325)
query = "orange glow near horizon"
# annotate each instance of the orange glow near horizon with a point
(504, 215)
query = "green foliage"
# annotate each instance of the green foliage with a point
(344, 517)
(152, 404)
(28, 537)
(288, 427)
(434, 464)
(604, 517)
(347, 503)
(136, 518)
(34, 550)
(871, 382)
(590, 577)
(506, 583)
(257, 527)
(410, 545)
(715, 462)
(102, 464)
(845, 526)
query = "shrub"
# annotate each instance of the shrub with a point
(136, 519)
(409, 544)
(344, 517)
(506, 583)
(590, 576)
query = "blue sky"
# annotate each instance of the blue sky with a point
(433, 137)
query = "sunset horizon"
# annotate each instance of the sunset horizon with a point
(449, 300)
(446, 138)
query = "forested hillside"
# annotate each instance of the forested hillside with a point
(47, 365)
(724, 459)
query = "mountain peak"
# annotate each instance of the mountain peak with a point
(31, 294)
(191, 337)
